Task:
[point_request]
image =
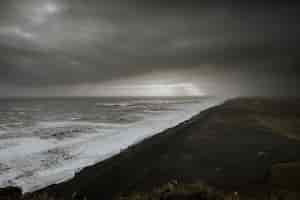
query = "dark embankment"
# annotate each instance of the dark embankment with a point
(232, 146)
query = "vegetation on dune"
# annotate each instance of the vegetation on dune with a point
(43, 196)
(201, 191)
(171, 190)
(175, 190)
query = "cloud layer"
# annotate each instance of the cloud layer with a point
(57, 43)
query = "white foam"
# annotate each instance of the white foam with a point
(31, 161)
(2, 132)
(60, 124)
(121, 104)
(25, 146)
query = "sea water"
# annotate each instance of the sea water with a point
(46, 141)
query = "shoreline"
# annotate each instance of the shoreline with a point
(86, 172)
(184, 114)
(224, 146)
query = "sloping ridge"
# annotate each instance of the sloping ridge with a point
(225, 145)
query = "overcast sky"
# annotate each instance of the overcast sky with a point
(118, 47)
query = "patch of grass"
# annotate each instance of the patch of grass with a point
(175, 190)
(40, 196)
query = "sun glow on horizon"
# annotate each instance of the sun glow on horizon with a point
(176, 89)
(50, 8)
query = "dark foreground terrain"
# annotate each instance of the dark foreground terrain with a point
(245, 148)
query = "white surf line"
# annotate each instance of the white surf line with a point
(96, 150)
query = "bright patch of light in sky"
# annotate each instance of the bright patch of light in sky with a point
(43, 11)
(16, 31)
(50, 8)
(176, 89)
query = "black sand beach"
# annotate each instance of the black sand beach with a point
(236, 146)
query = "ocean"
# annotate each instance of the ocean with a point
(47, 140)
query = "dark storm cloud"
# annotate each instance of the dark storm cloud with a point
(66, 42)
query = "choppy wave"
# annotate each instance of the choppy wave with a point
(45, 152)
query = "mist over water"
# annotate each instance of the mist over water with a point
(45, 141)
